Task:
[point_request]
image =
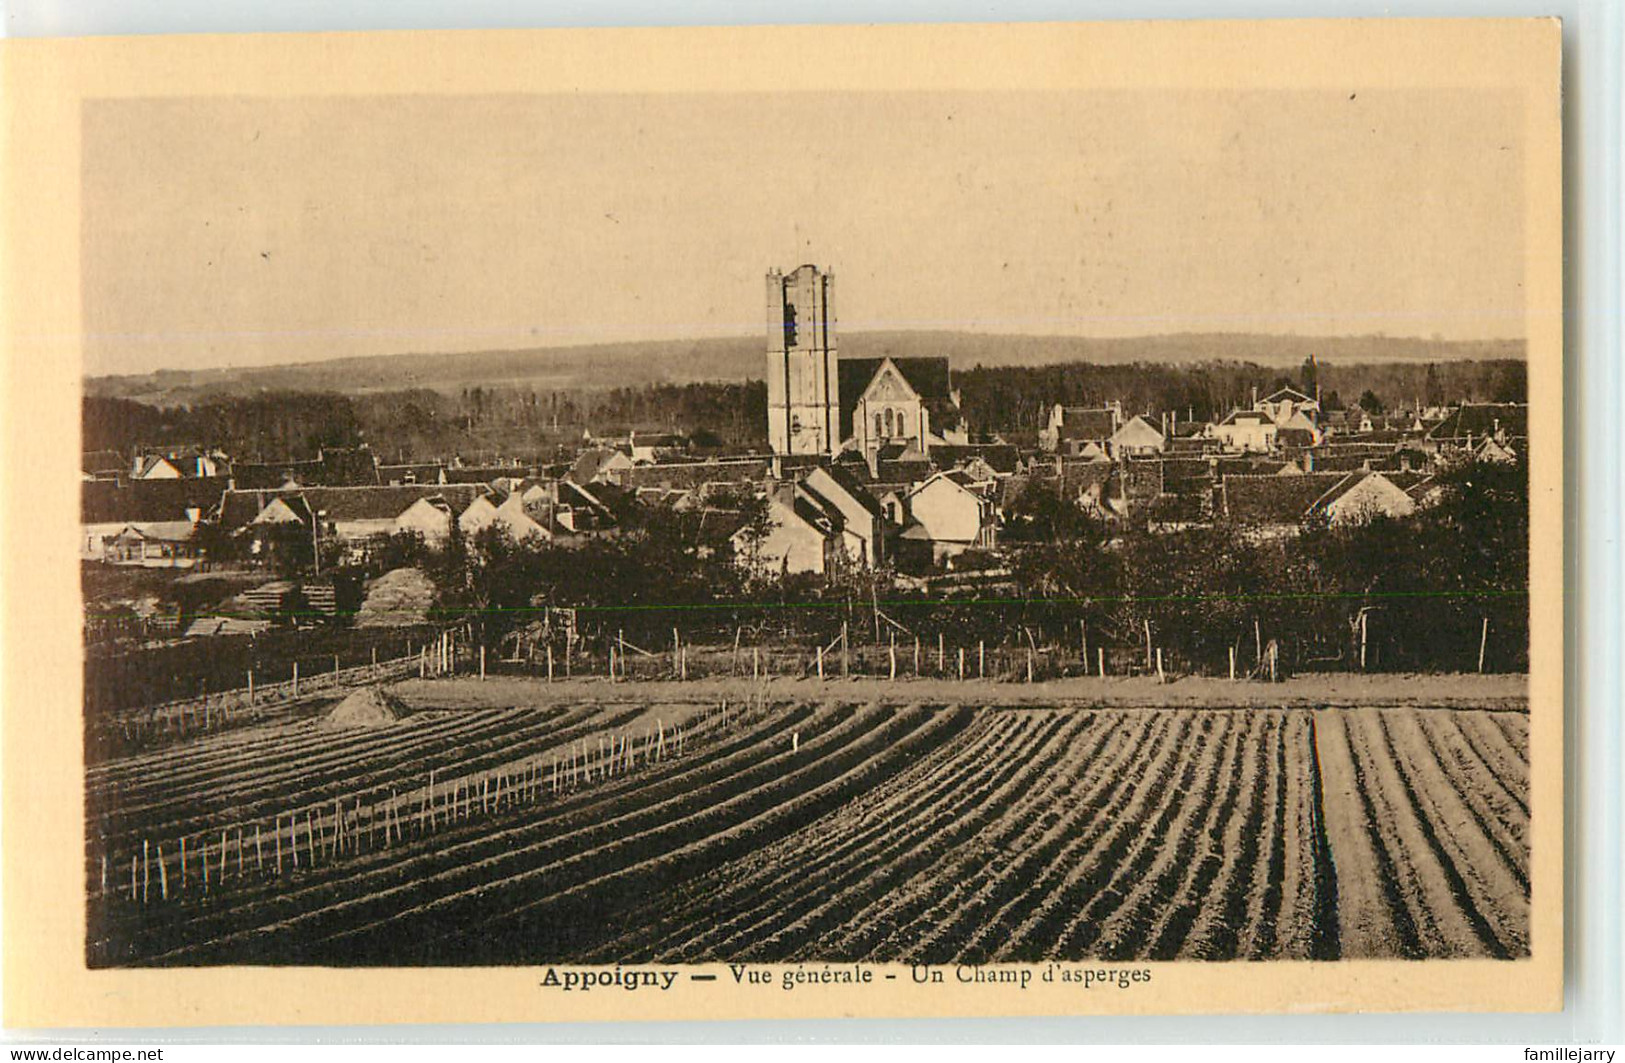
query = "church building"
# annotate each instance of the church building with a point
(821, 404)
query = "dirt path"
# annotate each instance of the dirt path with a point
(1346, 689)
(1365, 916)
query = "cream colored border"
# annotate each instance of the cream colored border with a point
(46, 983)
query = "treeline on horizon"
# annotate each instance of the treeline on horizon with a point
(422, 425)
(540, 425)
(1019, 399)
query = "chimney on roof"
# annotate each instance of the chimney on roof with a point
(1255, 396)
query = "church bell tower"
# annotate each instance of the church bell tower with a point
(803, 389)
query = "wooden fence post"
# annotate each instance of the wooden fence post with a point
(981, 658)
(962, 663)
(1161, 678)
(1363, 616)
(1029, 664)
(755, 662)
(942, 660)
(1083, 636)
(163, 875)
(1483, 642)
(295, 678)
(251, 686)
(1233, 664)
(183, 866)
(1100, 659)
(482, 662)
(891, 657)
(1148, 644)
(146, 871)
(846, 656)
(820, 661)
(916, 655)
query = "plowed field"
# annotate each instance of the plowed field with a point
(626, 830)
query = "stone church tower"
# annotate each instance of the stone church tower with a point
(803, 384)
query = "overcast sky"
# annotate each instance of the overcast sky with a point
(252, 231)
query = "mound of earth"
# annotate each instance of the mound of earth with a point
(367, 707)
(400, 597)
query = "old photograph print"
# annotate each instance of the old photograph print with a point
(922, 527)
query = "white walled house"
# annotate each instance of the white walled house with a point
(1249, 431)
(513, 518)
(479, 514)
(1283, 405)
(800, 539)
(1136, 437)
(950, 517)
(1362, 496)
(861, 516)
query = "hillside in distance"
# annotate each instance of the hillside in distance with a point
(732, 358)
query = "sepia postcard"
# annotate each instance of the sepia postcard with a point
(940, 520)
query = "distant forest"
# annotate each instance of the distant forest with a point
(481, 423)
(1019, 399)
(738, 358)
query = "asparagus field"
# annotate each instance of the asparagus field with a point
(609, 824)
